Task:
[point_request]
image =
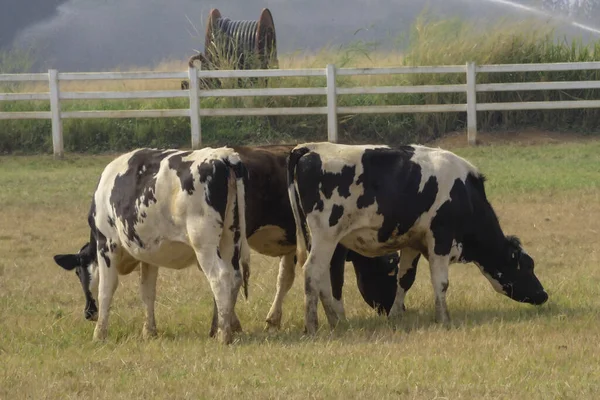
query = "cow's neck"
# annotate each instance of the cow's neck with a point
(487, 241)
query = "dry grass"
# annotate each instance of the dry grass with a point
(496, 348)
(359, 58)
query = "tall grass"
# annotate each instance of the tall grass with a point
(431, 42)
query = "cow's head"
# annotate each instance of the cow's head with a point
(377, 279)
(511, 272)
(85, 266)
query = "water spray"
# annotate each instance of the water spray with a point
(546, 14)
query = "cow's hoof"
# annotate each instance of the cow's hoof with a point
(100, 335)
(236, 325)
(149, 333)
(212, 332)
(273, 320)
(225, 336)
(310, 330)
(442, 318)
(272, 326)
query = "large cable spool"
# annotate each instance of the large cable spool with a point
(238, 44)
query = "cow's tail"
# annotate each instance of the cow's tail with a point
(302, 238)
(240, 174)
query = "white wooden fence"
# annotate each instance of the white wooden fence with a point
(332, 110)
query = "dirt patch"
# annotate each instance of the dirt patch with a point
(526, 137)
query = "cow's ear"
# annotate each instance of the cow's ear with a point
(67, 261)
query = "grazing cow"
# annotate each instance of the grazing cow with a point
(271, 231)
(375, 199)
(166, 208)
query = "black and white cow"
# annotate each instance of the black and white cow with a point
(166, 208)
(375, 199)
(271, 231)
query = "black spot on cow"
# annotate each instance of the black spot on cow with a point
(336, 213)
(407, 280)
(215, 174)
(136, 186)
(336, 271)
(111, 222)
(183, 170)
(311, 169)
(98, 243)
(235, 260)
(389, 178)
(103, 247)
(445, 286)
(319, 181)
(451, 218)
(341, 181)
(235, 226)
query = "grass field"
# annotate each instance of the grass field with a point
(549, 195)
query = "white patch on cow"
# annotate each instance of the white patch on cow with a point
(270, 240)
(456, 252)
(495, 284)
(445, 166)
(94, 279)
(337, 156)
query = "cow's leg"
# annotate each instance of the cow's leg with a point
(407, 270)
(336, 274)
(236, 325)
(108, 281)
(438, 266)
(285, 280)
(215, 320)
(148, 277)
(233, 254)
(317, 283)
(220, 278)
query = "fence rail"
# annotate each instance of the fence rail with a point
(330, 90)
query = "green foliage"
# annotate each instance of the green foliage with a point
(431, 42)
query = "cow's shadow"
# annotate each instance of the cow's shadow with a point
(366, 326)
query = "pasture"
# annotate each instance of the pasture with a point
(548, 194)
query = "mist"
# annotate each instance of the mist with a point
(94, 35)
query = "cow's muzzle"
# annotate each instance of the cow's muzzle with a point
(539, 298)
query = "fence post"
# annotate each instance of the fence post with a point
(332, 122)
(194, 92)
(57, 131)
(471, 104)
